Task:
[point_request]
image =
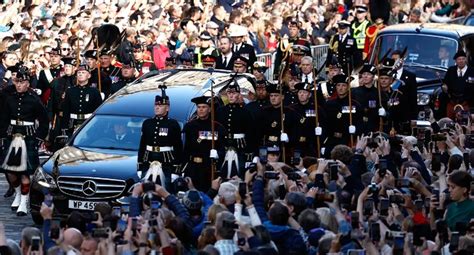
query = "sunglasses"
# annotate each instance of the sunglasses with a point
(66, 48)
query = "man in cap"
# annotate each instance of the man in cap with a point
(240, 64)
(258, 70)
(226, 58)
(91, 61)
(160, 140)
(58, 94)
(290, 92)
(286, 43)
(198, 144)
(141, 65)
(213, 29)
(238, 122)
(344, 47)
(127, 76)
(241, 48)
(359, 27)
(46, 76)
(327, 89)
(270, 125)
(305, 135)
(261, 101)
(408, 88)
(205, 49)
(106, 66)
(23, 129)
(208, 61)
(338, 115)
(367, 95)
(458, 84)
(80, 101)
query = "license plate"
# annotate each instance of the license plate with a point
(82, 205)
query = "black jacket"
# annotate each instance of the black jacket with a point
(460, 89)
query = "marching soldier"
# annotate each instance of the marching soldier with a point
(359, 27)
(91, 61)
(305, 136)
(271, 121)
(367, 95)
(22, 131)
(58, 94)
(127, 76)
(141, 65)
(339, 113)
(238, 122)
(287, 42)
(46, 76)
(290, 92)
(261, 101)
(344, 47)
(198, 144)
(327, 89)
(80, 101)
(160, 140)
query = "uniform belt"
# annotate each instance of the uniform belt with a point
(273, 138)
(337, 135)
(21, 123)
(197, 160)
(238, 136)
(80, 116)
(158, 148)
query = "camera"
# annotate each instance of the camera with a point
(271, 175)
(100, 233)
(439, 137)
(402, 183)
(230, 224)
(368, 206)
(35, 243)
(296, 159)
(148, 187)
(180, 184)
(324, 197)
(294, 176)
(373, 189)
(396, 199)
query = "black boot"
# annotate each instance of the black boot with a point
(9, 192)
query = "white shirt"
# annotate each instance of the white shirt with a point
(309, 76)
(237, 47)
(462, 70)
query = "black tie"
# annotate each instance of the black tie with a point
(225, 61)
(459, 73)
(306, 79)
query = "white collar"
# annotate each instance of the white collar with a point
(463, 70)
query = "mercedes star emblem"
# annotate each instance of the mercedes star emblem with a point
(89, 188)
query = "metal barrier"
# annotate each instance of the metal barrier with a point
(318, 52)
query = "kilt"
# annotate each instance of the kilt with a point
(32, 157)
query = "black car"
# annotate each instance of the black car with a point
(93, 167)
(425, 44)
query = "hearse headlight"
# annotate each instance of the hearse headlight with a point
(423, 99)
(44, 179)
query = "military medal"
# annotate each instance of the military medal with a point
(274, 124)
(163, 132)
(372, 103)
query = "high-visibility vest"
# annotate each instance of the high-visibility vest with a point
(359, 33)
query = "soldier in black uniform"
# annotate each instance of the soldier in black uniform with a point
(238, 122)
(344, 47)
(80, 101)
(106, 82)
(270, 124)
(198, 144)
(46, 76)
(367, 95)
(339, 129)
(239, 47)
(141, 65)
(287, 43)
(160, 141)
(327, 88)
(127, 76)
(111, 72)
(305, 133)
(241, 64)
(261, 101)
(58, 94)
(291, 96)
(23, 128)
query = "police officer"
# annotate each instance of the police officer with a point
(160, 140)
(270, 124)
(359, 27)
(261, 94)
(338, 113)
(46, 76)
(205, 49)
(141, 65)
(238, 122)
(198, 144)
(287, 42)
(55, 106)
(327, 88)
(367, 95)
(80, 101)
(106, 82)
(344, 47)
(305, 136)
(23, 129)
(127, 76)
